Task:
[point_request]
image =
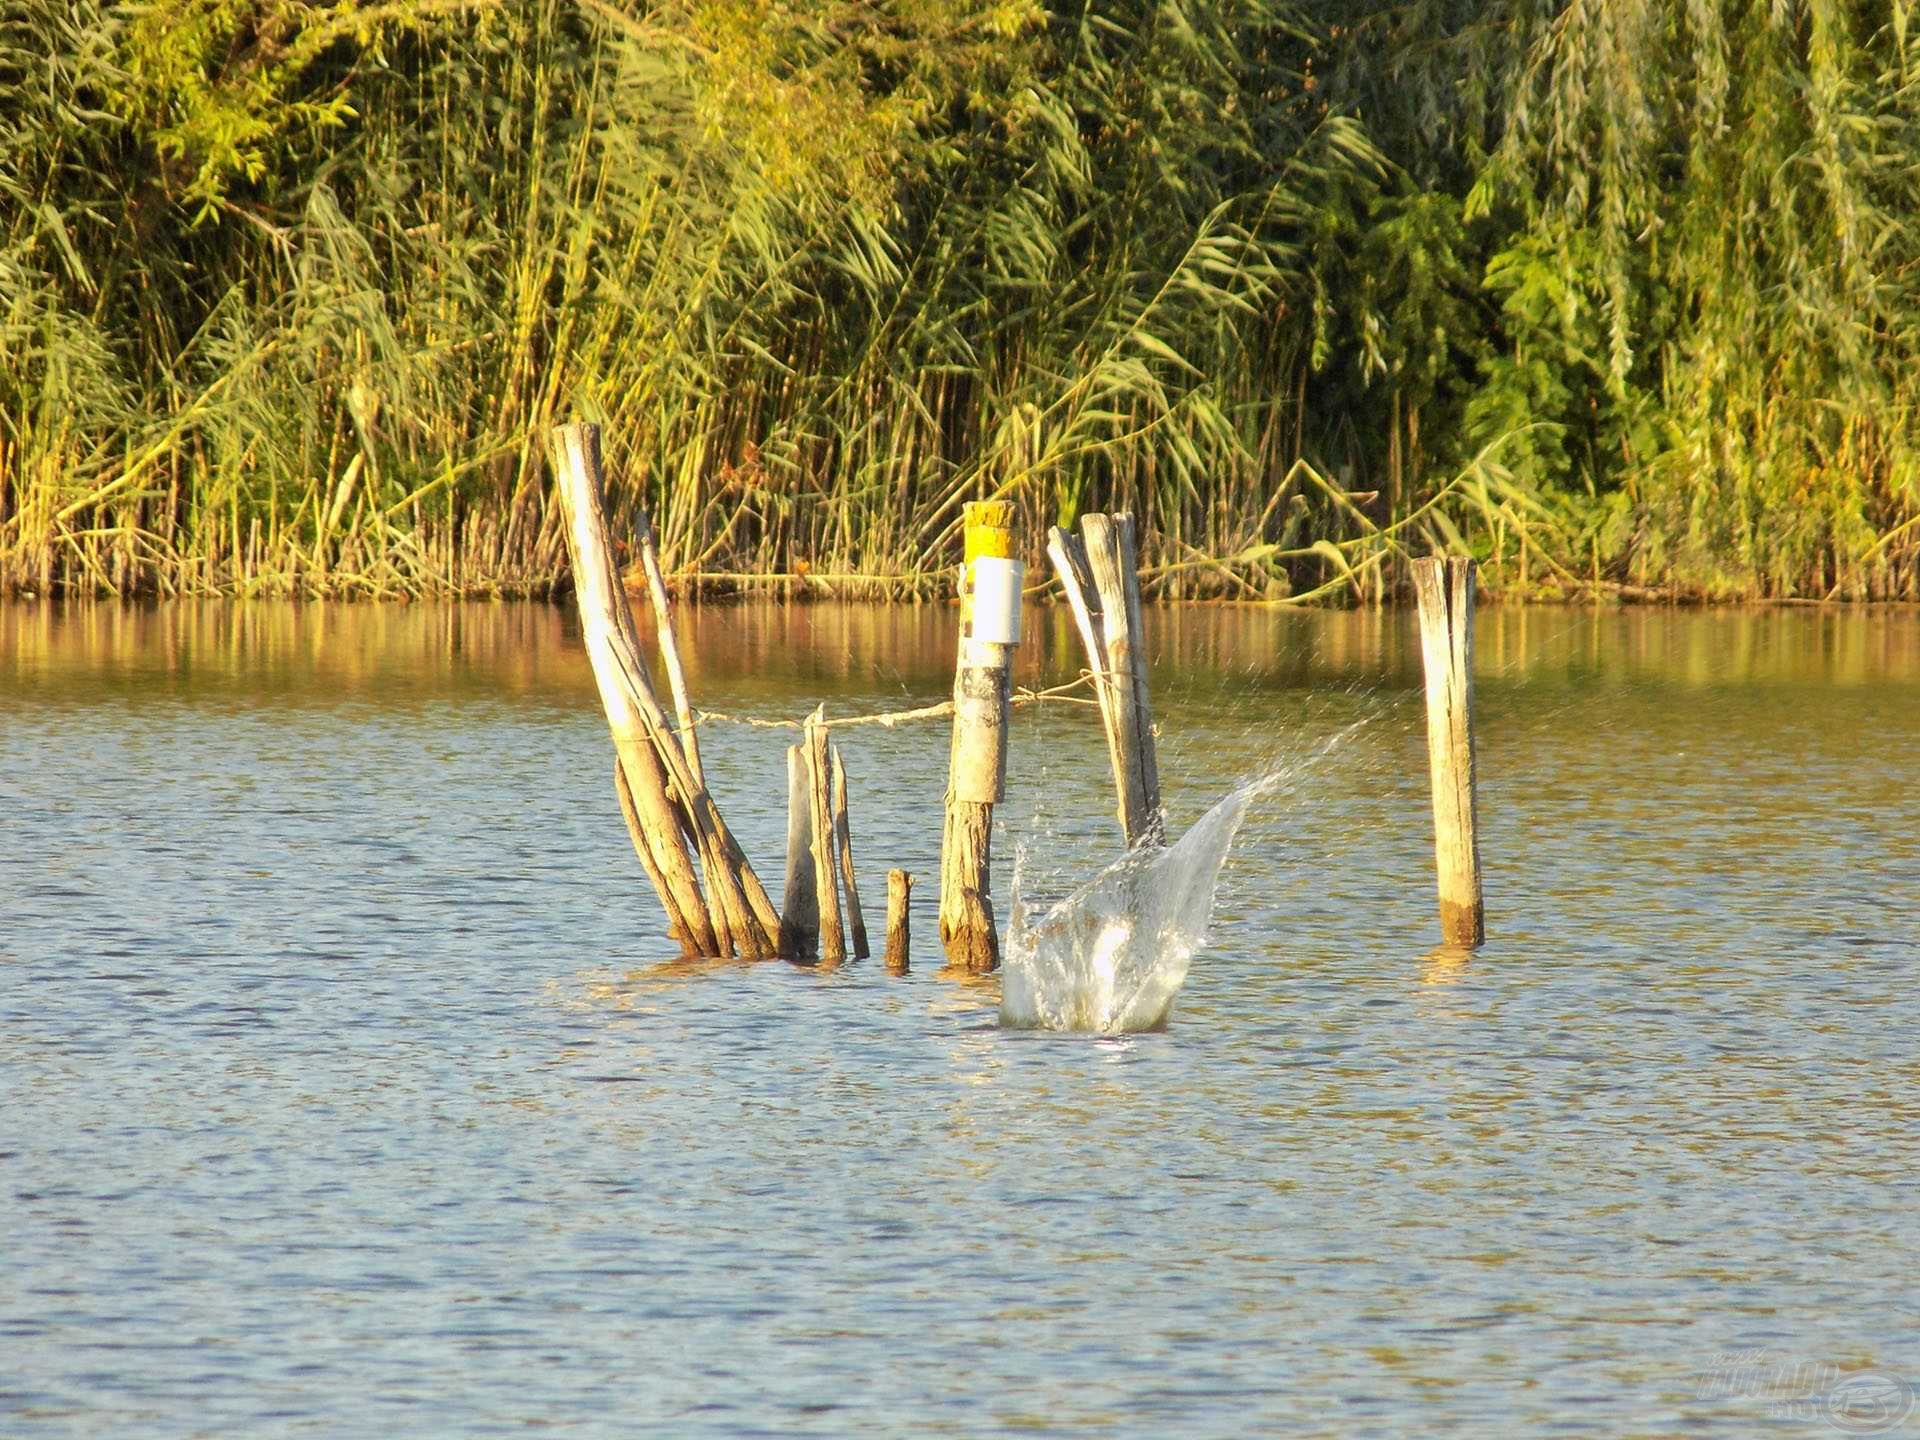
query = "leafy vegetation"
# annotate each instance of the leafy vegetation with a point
(1620, 297)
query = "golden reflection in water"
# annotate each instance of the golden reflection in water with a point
(1445, 965)
(982, 986)
(667, 974)
(337, 649)
(974, 1058)
(318, 652)
(634, 989)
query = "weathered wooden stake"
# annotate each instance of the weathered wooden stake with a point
(669, 648)
(678, 927)
(843, 844)
(1445, 591)
(899, 899)
(1100, 573)
(672, 813)
(833, 943)
(977, 765)
(799, 901)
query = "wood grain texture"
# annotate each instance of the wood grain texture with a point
(670, 893)
(982, 695)
(833, 941)
(899, 920)
(967, 929)
(734, 913)
(799, 901)
(843, 848)
(1100, 573)
(1445, 591)
(689, 738)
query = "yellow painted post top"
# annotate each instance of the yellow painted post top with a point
(989, 529)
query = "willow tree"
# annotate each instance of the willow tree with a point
(1714, 284)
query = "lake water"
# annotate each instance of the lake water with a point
(343, 1092)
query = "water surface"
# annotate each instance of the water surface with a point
(345, 1092)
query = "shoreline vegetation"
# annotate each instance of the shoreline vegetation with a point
(1622, 300)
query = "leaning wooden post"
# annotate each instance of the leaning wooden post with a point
(674, 812)
(1445, 591)
(899, 900)
(678, 927)
(1099, 571)
(977, 766)
(669, 648)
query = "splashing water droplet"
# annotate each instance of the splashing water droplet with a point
(1112, 955)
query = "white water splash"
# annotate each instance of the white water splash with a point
(1113, 954)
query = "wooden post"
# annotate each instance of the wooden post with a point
(799, 901)
(833, 943)
(1445, 592)
(672, 811)
(843, 844)
(977, 764)
(669, 649)
(1099, 571)
(899, 898)
(678, 926)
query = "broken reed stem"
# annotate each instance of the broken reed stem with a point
(672, 808)
(1445, 590)
(799, 903)
(833, 944)
(899, 934)
(843, 843)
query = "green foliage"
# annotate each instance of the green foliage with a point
(221, 89)
(1733, 186)
(1615, 296)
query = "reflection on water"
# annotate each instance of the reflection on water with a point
(869, 651)
(348, 1088)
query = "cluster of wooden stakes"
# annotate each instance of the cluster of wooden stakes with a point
(722, 909)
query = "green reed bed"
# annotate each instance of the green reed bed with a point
(1620, 299)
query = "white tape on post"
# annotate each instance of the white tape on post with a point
(996, 600)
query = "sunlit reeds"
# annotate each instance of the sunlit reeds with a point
(824, 278)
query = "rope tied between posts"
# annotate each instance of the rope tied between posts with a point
(1022, 696)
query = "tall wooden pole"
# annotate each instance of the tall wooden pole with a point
(1100, 574)
(833, 943)
(1445, 591)
(977, 766)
